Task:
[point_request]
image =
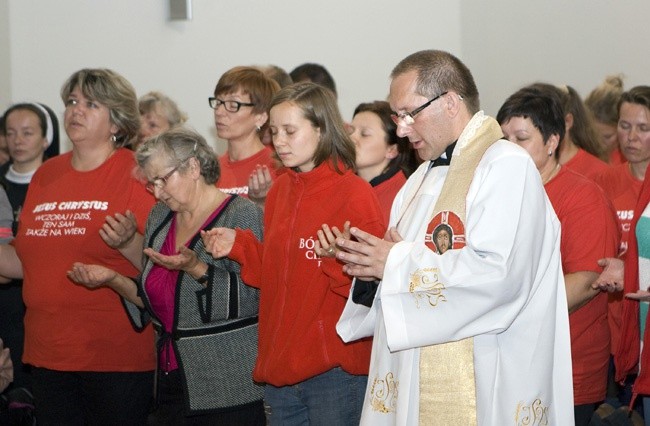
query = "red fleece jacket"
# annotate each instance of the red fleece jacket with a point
(302, 296)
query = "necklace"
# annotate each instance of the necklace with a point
(552, 175)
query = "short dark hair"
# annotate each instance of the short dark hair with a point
(541, 104)
(315, 73)
(439, 71)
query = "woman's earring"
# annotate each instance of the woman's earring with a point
(113, 138)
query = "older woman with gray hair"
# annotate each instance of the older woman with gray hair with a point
(205, 316)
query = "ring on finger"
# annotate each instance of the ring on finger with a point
(330, 250)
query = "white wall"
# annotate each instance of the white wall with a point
(358, 41)
(510, 43)
(506, 44)
(5, 70)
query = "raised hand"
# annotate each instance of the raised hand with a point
(259, 183)
(184, 260)
(326, 244)
(218, 241)
(611, 279)
(91, 276)
(640, 295)
(118, 230)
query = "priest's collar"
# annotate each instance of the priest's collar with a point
(445, 158)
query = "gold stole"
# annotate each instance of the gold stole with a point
(447, 385)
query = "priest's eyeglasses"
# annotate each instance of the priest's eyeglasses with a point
(160, 182)
(408, 118)
(230, 106)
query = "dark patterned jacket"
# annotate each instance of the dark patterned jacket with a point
(214, 333)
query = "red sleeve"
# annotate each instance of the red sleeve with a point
(364, 213)
(247, 251)
(589, 228)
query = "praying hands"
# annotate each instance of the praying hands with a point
(365, 255)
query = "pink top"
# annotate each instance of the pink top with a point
(160, 286)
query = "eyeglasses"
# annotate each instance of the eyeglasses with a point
(230, 106)
(408, 118)
(160, 182)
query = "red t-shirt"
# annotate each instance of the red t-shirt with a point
(616, 157)
(234, 174)
(589, 233)
(622, 189)
(67, 326)
(586, 164)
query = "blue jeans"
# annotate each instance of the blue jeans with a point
(333, 398)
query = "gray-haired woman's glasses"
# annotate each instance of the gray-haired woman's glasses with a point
(160, 182)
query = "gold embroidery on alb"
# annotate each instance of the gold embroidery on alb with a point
(424, 284)
(535, 414)
(383, 394)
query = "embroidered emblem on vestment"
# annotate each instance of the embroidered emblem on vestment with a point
(424, 285)
(383, 394)
(445, 232)
(533, 414)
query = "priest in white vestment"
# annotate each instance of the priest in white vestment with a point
(479, 333)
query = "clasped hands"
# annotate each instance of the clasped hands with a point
(364, 255)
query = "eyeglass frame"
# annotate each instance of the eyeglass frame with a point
(218, 102)
(409, 117)
(160, 182)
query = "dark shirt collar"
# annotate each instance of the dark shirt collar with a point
(385, 176)
(445, 158)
